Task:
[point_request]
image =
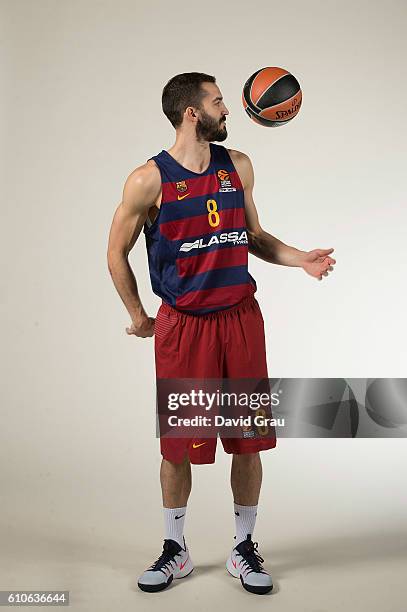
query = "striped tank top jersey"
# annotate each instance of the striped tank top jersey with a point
(197, 245)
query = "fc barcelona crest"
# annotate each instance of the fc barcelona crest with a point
(181, 186)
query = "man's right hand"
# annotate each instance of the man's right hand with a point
(144, 329)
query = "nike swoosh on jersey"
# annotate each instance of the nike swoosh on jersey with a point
(183, 196)
(198, 445)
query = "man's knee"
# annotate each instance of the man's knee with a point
(176, 467)
(246, 458)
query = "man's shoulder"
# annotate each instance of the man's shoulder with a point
(243, 166)
(238, 156)
(145, 181)
(145, 172)
(147, 175)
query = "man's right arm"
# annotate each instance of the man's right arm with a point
(141, 191)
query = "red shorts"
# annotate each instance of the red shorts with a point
(225, 344)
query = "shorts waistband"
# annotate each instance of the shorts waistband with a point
(245, 303)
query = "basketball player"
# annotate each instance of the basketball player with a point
(195, 206)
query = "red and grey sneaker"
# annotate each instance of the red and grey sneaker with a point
(246, 563)
(174, 562)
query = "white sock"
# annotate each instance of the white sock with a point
(174, 524)
(245, 519)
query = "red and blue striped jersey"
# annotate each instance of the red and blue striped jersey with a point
(197, 246)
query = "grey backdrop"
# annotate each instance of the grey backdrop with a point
(81, 85)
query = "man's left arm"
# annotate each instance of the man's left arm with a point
(317, 262)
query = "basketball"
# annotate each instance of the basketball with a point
(386, 401)
(272, 96)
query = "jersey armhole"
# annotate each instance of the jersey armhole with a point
(239, 180)
(148, 223)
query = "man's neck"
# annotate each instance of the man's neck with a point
(191, 154)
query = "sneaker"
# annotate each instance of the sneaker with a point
(174, 562)
(245, 563)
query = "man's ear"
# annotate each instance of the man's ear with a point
(190, 113)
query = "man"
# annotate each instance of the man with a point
(194, 203)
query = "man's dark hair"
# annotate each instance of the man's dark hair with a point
(182, 91)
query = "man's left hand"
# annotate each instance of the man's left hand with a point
(317, 263)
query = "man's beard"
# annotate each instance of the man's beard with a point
(210, 129)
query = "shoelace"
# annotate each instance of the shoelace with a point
(166, 559)
(253, 559)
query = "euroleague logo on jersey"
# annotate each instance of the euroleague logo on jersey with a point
(235, 237)
(225, 182)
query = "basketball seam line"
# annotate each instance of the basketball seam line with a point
(284, 102)
(250, 92)
(269, 87)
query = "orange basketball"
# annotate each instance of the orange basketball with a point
(272, 96)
